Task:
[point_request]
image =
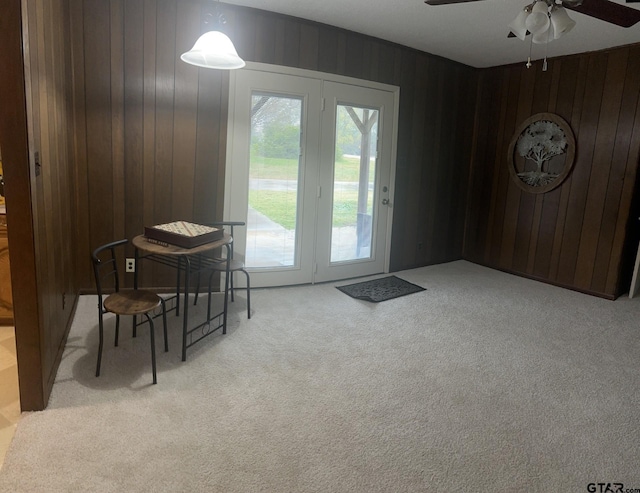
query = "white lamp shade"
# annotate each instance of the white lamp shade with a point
(561, 22)
(538, 20)
(518, 26)
(213, 50)
(544, 37)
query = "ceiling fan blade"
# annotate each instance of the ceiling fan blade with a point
(447, 2)
(607, 11)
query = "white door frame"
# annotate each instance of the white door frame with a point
(261, 67)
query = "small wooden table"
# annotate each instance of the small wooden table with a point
(175, 256)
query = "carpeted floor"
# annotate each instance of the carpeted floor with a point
(485, 382)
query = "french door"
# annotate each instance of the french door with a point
(310, 170)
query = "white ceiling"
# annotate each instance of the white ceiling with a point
(472, 33)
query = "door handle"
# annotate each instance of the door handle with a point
(385, 201)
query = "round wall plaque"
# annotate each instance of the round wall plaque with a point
(541, 153)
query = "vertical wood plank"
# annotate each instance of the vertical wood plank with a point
(601, 167)
(117, 116)
(494, 159)
(354, 63)
(150, 13)
(630, 180)
(80, 171)
(99, 130)
(408, 174)
(512, 204)
(328, 56)
(265, 39)
(584, 160)
(14, 139)
(134, 137)
(546, 92)
(185, 117)
(570, 91)
(165, 110)
(291, 43)
(309, 47)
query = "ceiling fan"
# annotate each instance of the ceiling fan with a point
(605, 10)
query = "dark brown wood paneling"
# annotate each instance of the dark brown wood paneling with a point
(80, 170)
(185, 117)
(265, 40)
(134, 116)
(574, 235)
(116, 37)
(574, 94)
(149, 125)
(149, 138)
(622, 183)
(506, 126)
(209, 184)
(309, 47)
(291, 43)
(16, 169)
(41, 206)
(97, 68)
(601, 168)
(165, 78)
(586, 134)
(328, 55)
(174, 156)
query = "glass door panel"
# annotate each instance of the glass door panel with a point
(355, 169)
(309, 170)
(356, 135)
(274, 171)
(272, 176)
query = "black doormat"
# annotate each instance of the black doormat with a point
(385, 288)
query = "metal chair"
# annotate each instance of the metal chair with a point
(234, 266)
(126, 302)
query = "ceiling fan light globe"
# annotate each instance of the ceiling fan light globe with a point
(538, 20)
(544, 37)
(561, 22)
(518, 26)
(213, 50)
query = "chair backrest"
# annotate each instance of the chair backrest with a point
(105, 267)
(231, 225)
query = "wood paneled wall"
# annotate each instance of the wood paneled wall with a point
(42, 218)
(573, 236)
(152, 130)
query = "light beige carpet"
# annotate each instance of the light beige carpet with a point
(484, 382)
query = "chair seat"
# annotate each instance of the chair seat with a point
(133, 302)
(233, 265)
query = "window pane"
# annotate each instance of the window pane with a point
(274, 170)
(353, 186)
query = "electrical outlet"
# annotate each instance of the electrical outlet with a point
(130, 265)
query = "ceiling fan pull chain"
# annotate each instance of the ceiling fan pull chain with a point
(546, 50)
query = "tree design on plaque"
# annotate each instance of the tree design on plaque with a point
(540, 142)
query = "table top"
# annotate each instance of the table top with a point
(142, 243)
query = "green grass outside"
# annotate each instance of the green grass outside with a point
(280, 207)
(347, 168)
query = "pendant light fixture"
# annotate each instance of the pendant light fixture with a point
(214, 49)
